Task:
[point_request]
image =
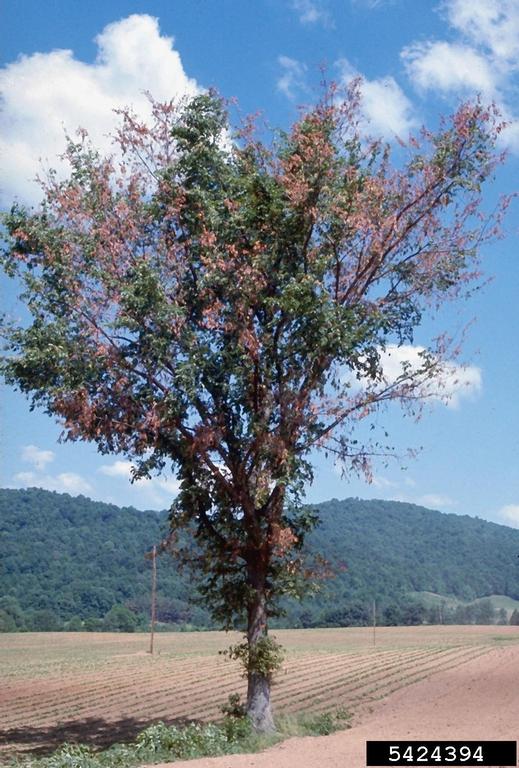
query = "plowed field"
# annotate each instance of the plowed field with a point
(101, 688)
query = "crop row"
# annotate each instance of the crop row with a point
(344, 692)
(193, 679)
(196, 694)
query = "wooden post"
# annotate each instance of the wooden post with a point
(153, 595)
(374, 623)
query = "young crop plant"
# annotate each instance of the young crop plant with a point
(222, 306)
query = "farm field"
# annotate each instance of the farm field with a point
(102, 688)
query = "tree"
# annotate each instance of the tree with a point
(502, 617)
(10, 607)
(92, 624)
(226, 307)
(484, 612)
(75, 624)
(120, 619)
(514, 618)
(44, 621)
(7, 623)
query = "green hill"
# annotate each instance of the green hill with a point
(72, 559)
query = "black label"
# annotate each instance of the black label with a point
(470, 753)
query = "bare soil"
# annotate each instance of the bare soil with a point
(475, 700)
(104, 688)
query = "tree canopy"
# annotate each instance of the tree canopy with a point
(222, 305)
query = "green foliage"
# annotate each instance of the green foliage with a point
(264, 657)
(78, 558)
(7, 623)
(376, 549)
(323, 724)
(44, 620)
(183, 743)
(120, 619)
(67, 756)
(12, 614)
(158, 742)
(236, 724)
(317, 724)
(75, 624)
(514, 618)
(233, 706)
(386, 550)
(166, 743)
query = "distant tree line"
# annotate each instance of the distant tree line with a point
(407, 612)
(121, 619)
(118, 619)
(68, 563)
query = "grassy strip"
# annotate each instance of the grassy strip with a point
(162, 743)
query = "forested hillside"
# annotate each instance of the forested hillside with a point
(69, 560)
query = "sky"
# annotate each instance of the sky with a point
(66, 63)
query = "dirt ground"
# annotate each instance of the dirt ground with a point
(477, 700)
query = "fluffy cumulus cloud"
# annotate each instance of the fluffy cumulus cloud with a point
(64, 482)
(387, 109)
(38, 457)
(451, 384)
(312, 12)
(492, 24)
(111, 485)
(38, 477)
(435, 501)
(509, 514)
(293, 77)
(155, 491)
(401, 487)
(448, 67)
(45, 94)
(480, 56)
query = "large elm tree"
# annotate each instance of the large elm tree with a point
(220, 305)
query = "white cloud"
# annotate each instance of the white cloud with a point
(158, 491)
(430, 500)
(435, 500)
(492, 24)
(384, 483)
(312, 12)
(293, 77)
(371, 4)
(510, 514)
(387, 107)
(403, 489)
(481, 57)
(452, 383)
(65, 482)
(117, 469)
(387, 484)
(45, 92)
(37, 457)
(448, 67)
(384, 104)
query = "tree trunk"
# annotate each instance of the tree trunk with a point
(258, 685)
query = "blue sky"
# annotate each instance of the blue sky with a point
(68, 63)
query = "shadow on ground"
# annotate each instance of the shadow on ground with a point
(96, 732)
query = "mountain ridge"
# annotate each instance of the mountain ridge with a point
(78, 558)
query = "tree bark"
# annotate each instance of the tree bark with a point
(258, 685)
